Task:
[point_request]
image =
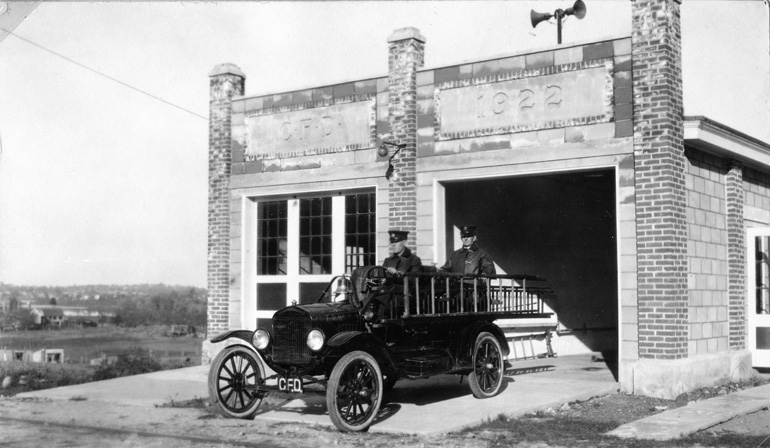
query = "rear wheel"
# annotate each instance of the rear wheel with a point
(486, 379)
(235, 374)
(354, 392)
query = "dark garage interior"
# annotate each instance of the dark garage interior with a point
(560, 226)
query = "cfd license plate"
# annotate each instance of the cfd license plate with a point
(289, 384)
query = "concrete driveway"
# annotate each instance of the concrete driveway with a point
(432, 406)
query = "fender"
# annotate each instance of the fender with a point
(343, 338)
(469, 338)
(347, 341)
(242, 338)
(244, 335)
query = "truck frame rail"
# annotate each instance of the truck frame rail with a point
(441, 294)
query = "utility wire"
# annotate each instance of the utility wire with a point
(102, 74)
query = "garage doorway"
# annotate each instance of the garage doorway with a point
(560, 226)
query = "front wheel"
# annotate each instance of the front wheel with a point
(486, 379)
(234, 377)
(354, 392)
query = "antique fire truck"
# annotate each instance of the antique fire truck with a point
(370, 329)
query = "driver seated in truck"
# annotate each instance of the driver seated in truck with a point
(400, 261)
(470, 260)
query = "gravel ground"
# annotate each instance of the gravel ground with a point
(80, 423)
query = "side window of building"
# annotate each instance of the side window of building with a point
(315, 236)
(271, 239)
(360, 231)
(303, 242)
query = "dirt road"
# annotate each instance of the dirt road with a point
(39, 422)
(30, 434)
(30, 423)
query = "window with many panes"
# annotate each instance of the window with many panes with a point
(315, 236)
(271, 239)
(302, 243)
(360, 237)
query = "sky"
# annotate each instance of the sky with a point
(104, 183)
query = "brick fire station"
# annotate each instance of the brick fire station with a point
(576, 163)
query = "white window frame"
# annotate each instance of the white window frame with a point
(249, 309)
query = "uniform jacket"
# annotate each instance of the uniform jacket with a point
(405, 263)
(471, 260)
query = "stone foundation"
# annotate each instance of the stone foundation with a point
(668, 379)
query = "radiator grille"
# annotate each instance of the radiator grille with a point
(289, 336)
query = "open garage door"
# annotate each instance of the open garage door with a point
(561, 226)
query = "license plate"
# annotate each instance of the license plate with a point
(288, 384)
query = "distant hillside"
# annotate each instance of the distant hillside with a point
(144, 304)
(43, 294)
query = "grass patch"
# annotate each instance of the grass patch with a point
(82, 345)
(583, 424)
(27, 376)
(132, 362)
(196, 402)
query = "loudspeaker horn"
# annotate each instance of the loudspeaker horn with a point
(537, 17)
(578, 10)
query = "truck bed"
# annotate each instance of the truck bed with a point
(428, 296)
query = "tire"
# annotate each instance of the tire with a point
(354, 393)
(486, 379)
(235, 374)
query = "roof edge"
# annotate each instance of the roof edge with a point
(712, 136)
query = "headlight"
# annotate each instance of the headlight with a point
(315, 340)
(260, 339)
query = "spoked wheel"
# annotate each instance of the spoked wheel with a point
(354, 392)
(233, 379)
(486, 379)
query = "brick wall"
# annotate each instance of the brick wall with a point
(707, 248)
(226, 80)
(736, 255)
(406, 53)
(660, 180)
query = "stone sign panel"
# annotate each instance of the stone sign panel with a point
(333, 127)
(530, 100)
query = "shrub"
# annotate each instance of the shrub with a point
(27, 376)
(131, 362)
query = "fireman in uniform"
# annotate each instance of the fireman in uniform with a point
(470, 260)
(401, 259)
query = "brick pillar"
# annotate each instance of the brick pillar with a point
(736, 255)
(226, 80)
(406, 53)
(660, 166)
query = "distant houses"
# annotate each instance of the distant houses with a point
(68, 316)
(45, 355)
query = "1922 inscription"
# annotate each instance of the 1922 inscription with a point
(526, 102)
